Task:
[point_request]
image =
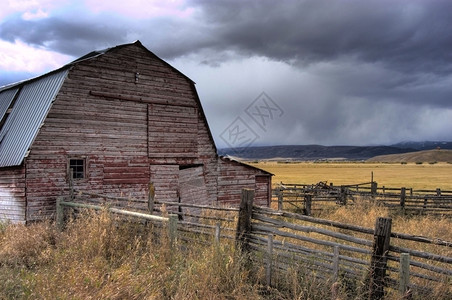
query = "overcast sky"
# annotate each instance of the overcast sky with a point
(348, 72)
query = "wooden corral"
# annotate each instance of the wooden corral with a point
(120, 122)
(320, 196)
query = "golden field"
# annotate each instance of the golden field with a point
(410, 175)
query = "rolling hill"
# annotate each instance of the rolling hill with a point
(418, 156)
(319, 152)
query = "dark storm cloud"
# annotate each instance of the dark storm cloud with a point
(344, 72)
(406, 35)
(380, 50)
(69, 36)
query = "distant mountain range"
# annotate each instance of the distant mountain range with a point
(319, 152)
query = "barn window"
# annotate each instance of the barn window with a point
(77, 168)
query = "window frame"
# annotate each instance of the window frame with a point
(70, 173)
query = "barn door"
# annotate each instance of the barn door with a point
(165, 181)
(176, 183)
(192, 186)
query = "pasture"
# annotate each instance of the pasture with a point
(410, 175)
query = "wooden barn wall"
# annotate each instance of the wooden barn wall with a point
(103, 114)
(233, 177)
(173, 131)
(263, 190)
(165, 179)
(179, 135)
(12, 194)
(208, 158)
(109, 136)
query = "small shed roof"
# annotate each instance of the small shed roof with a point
(228, 158)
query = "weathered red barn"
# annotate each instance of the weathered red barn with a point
(115, 120)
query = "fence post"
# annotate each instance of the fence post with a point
(71, 184)
(244, 221)
(59, 213)
(217, 233)
(269, 259)
(343, 195)
(308, 204)
(378, 261)
(438, 192)
(404, 275)
(402, 197)
(424, 207)
(280, 198)
(172, 229)
(336, 263)
(373, 187)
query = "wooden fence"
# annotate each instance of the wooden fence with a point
(371, 261)
(311, 197)
(204, 220)
(333, 251)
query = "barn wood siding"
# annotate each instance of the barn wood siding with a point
(235, 176)
(118, 70)
(165, 179)
(173, 131)
(262, 193)
(12, 194)
(192, 186)
(112, 140)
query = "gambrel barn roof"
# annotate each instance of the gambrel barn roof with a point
(24, 106)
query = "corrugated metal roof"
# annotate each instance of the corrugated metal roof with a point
(5, 101)
(28, 113)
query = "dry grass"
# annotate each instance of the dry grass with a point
(411, 175)
(97, 257)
